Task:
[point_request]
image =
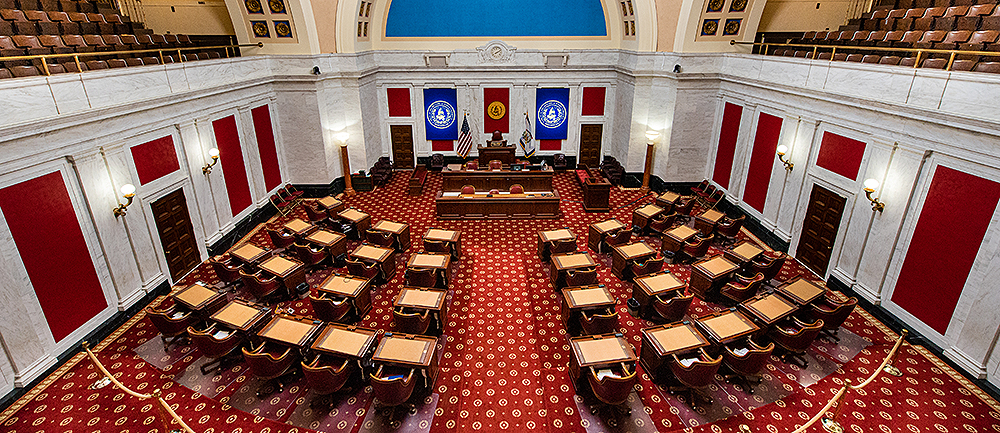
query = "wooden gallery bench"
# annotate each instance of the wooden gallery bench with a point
(596, 190)
(417, 179)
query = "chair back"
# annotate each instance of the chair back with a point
(600, 322)
(226, 272)
(662, 222)
(516, 189)
(310, 256)
(561, 246)
(700, 187)
(266, 362)
(314, 214)
(472, 165)
(698, 373)
(768, 265)
(795, 335)
(496, 164)
(730, 227)
(612, 390)
(327, 376)
(421, 277)
(411, 323)
(583, 277)
(211, 346)
(468, 189)
(392, 392)
(697, 246)
(743, 288)
(832, 313)
(329, 310)
(650, 266)
(361, 269)
(749, 363)
(257, 287)
(279, 239)
(379, 238)
(674, 308)
(684, 205)
(432, 246)
(620, 237)
(170, 321)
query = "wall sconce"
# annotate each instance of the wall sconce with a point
(870, 185)
(214, 153)
(128, 191)
(782, 150)
(651, 137)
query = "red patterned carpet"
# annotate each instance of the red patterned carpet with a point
(504, 357)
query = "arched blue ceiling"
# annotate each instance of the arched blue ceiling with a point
(495, 18)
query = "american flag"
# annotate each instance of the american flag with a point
(465, 138)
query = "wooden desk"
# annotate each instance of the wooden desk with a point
(660, 342)
(345, 341)
(439, 262)
(742, 253)
(334, 243)
(706, 222)
(481, 205)
(802, 291)
(299, 227)
(399, 231)
(291, 271)
(356, 289)
(561, 263)
(598, 351)
(488, 153)
(645, 288)
(454, 237)
(331, 205)
(361, 220)
(642, 215)
(290, 331)
(667, 200)
(768, 307)
(201, 300)
(385, 257)
(501, 180)
(409, 351)
(673, 240)
(577, 299)
(623, 256)
(420, 298)
(240, 316)
(598, 231)
(708, 275)
(545, 239)
(248, 253)
(596, 194)
(725, 326)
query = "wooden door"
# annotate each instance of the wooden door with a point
(402, 146)
(819, 229)
(590, 145)
(176, 234)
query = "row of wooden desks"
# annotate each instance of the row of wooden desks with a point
(623, 256)
(399, 231)
(563, 263)
(599, 231)
(290, 271)
(547, 237)
(357, 290)
(452, 237)
(709, 275)
(586, 298)
(598, 351)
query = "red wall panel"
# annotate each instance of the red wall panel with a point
(227, 137)
(502, 124)
(765, 144)
(56, 258)
(266, 147)
(549, 144)
(949, 231)
(155, 159)
(442, 145)
(841, 155)
(399, 101)
(727, 144)
(593, 101)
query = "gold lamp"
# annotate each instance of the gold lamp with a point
(870, 186)
(782, 150)
(128, 191)
(214, 153)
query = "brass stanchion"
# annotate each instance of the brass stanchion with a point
(829, 421)
(892, 369)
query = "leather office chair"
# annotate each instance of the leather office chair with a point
(768, 264)
(260, 288)
(742, 288)
(833, 313)
(604, 321)
(468, 189)
(313, 257)
(613, 390)
(745, 359)
(581, 277)
(651, 265)
(314, 214)
(729, 228)
(427, 278)
(562, 246)
(695, 372)
(362, 269)
(393, 386)
(683, 207)
(217, 344)
(437, 162)
(411, 322)
(673, 306)
(431, 246)
(327, 375)
(329, 309)
(496, 164)
(516, 189)
(228, 271)
(472, 165)
(662, 222)
(281, 239)
(696, 247)
(271, 363)
(380, 238)
(795, 336)
(172, 322)
(559, 162)
(620, 237)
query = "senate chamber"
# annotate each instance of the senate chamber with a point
(454, 216)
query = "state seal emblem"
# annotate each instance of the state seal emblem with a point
(440, 114)
(552, 114)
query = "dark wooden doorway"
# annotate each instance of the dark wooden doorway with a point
(176, 234)
(402, 146)
(819, 229)
(590, 145)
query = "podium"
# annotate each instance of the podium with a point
(488, 153)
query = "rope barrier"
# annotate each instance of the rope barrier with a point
(885, 363)
(823, 412)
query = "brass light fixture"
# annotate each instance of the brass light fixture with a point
(214, 153)
(870, 185)
(128, 191)
(782, 150)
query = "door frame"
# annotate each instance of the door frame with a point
(146, 201)
(579, 141)
(413, 144)
(845, 216)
